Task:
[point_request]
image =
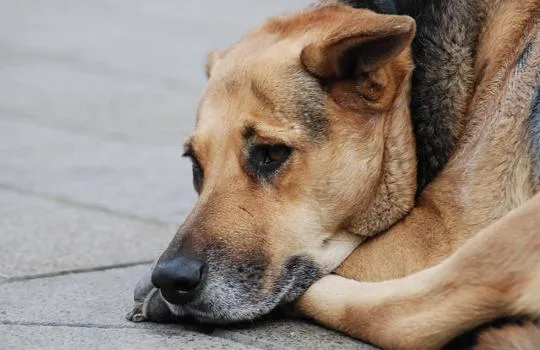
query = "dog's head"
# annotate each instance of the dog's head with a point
(302, 149)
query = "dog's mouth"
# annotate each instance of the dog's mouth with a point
(231, 288)
(237, 294)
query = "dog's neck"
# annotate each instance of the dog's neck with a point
(443, 82)
(395, 195)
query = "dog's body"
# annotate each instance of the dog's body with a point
(479, 110)
(323, 96)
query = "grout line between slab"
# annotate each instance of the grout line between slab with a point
(71, 202)
(154, 327)
(34, 120)
(78, 271)
(245, 340)
(237, 338)
(80, 64)
(60, 324)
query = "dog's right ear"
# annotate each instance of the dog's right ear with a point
(211, 59)
(356, 42)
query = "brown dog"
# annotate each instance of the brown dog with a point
(305, 148)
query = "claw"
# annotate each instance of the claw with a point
(136, 315)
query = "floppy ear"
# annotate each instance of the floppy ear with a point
(356, 42)
(211, 60)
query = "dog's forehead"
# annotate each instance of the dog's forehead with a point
(262, 82)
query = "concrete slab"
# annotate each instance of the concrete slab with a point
(162, 38)
(69, 338)
(128, 69)
(293, 334)
(101, 299)
(51, 93)
(96, 298)
(149, 181)
(51, 237)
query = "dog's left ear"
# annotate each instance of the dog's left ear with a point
(356, 42)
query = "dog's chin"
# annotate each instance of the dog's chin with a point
(218, 317)
(222, 302)
(226, 310)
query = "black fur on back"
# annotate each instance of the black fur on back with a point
(534, 129)
(380, 6)
(444, 51)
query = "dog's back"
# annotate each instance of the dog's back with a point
(475, 96)
(534, 127)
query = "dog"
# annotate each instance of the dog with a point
(375, 164)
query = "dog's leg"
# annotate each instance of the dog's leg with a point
(418, 241)
(495, 274)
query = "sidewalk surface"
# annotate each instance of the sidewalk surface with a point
(95, 100)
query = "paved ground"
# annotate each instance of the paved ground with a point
(95, 99)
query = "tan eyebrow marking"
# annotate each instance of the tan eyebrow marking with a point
(188, 146)
(261, 95)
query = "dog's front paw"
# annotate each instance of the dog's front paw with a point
(325, 299)
(137, 314)
(148, 303)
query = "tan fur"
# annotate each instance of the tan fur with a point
(492, 275)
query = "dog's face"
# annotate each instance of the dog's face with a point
(289, 154)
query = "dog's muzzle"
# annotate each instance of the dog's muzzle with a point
(179, 279)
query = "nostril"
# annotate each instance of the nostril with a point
(188, 281)
(178, 278)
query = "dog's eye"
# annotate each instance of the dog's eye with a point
(196, 170)
(265, 160)
(197, 176)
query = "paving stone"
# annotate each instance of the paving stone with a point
(145, 180)
(69, 338)
(129, 69)
(97, 298)
(101, 299)
(162, 38)
(294, 334)
(42, 236)
(51, 93)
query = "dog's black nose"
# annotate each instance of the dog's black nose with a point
(178, 278)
